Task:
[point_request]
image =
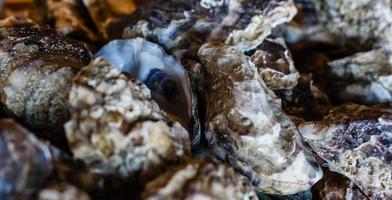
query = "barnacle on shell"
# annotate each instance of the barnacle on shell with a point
(247, 128)
(200, 180)
(25, 162)
(355, 141)
(36, 66)
(117, 129)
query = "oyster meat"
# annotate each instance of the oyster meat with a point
(200, 180)
(355, 141)
(36, 68)
(117, 129)
(247, 128)
(25, 162)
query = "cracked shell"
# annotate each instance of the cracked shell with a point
(117, 129)
(25, 161)
(247, 128)
(200, 180)
(355, 141)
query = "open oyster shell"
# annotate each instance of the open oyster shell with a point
(247, 128)
(355, 140)
(200, 180)
(181, 27)
(25, 161)
(36, 66)
(117, 129)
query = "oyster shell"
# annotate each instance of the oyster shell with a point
(36, 66)
(117, 129)
(247, 127)
(25, 161)
(66, 16)
(164, 75)
(355, 140)
(62, 192)
(275, 65)
(200, 180)
(336, 186)
(181, 27)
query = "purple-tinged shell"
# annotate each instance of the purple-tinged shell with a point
(355, 141)
(25, 162)
(247, 128)
(181, 27)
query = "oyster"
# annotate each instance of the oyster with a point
(66, 16)
(355, 140)
(247, 128)
(62, 192)
(36, 66)
(25, 162)
(164, 75)
(117, 129)
(181, 27)
(200, 180)
(275, 65)
(336, 186)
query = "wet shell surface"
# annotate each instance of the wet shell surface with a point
(181, 27)
(247, 128)
(117, 129)
(200, 180)
(36, 68)
(25, 161)
(355, 141)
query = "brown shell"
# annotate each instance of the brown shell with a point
(36, 68)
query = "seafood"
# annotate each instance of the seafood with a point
(354, 140)
(163, 74)
(181, 27)
(275, 65)
(200, 180)
(25, 162)
(36, 66)
(62, 192)
(247, 128)
(117, 130)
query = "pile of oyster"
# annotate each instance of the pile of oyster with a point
(197, 99)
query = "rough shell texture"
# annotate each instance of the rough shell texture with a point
(62, 192)
(163, 74)
(36, 66)
(362, 20)
(355, 141)
(335, 186)
(116, 129)
(247, 127)
(200, 180)
(25, 161)
(275, 65)
(363, 78)
(181, 27)
(66, 16)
